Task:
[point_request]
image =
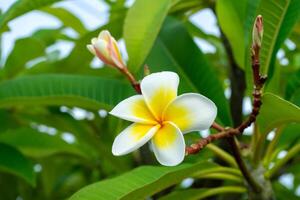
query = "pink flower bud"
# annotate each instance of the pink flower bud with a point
(258, 30)
(106, 49)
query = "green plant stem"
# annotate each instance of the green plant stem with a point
(257, 147)
(222, 154)
(290, 154)
(271, 146)
(246, 173)
(221, 190)
(222, 176)
(227, 170)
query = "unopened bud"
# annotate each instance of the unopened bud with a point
(258, 31)
(106, 49)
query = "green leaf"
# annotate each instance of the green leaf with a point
(203, 193)
(21, 7)
(283, 193)
(231, 18)
(12, 161)
(35, 144)
(293, 85)
(70, 90)
(28, 49)
(142, 25)
(67, 18)
(296, 97)
(139, 183)
(24, 50)
(279, 19)
(184, 57)
(290, 135)
(276, 111)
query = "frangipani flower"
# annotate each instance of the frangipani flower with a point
(106, 49)
(162, 117)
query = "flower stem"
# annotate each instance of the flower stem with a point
(271, 146)
(290, 154)
(222, 154)
(238, 158)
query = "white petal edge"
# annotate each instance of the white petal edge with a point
(201, 111)
(151, 84)
(123, 110)
(173, 154)
(91, 49)
(124, 143)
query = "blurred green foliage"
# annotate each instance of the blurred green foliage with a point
(40, 91)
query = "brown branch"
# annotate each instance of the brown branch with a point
(258, 81)
(229, 133)
(134, 83)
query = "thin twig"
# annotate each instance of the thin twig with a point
(259, 81)
(229, 133)
(134, 83)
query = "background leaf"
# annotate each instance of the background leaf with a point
(35, 144)
(139, 183)
(68, 19)
(279, 19)
(142, 24)
(21, 7)
(231, 17)
(276, 111)
(203, 193)
(12, 161)
(83, 91)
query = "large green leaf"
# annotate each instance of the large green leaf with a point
(184, 57)
(139, 183)
(293, 85)
(203, 193)
(142, 24)
(12, 161)
(24, 50)
(35, 144)
(71, 90)
(290, 135)
(279, 19)
(21, 7)
(231, 18)
(276, 111)
(67, 18)
(28, 49)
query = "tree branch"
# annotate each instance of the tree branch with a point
(229, 133)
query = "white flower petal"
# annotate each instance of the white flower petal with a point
(91, 49)
(94, 41)
(101, 46)
(191, 112)
(132, 138)
(104, 35)
(159, 89)
(168, 145)
(134, 109)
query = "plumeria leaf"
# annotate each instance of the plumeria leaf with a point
(203, 193)
(142, 25)
(139, 183)
(35, 144)
(21, 7)
(276, 111)
(71, 90)
(13, 161)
